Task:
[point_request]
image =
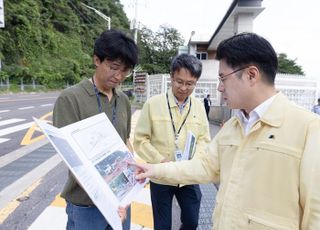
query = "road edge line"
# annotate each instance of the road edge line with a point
(15, 189)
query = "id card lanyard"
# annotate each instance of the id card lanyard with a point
(178, 152)
(114, 107)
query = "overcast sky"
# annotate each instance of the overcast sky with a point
(291, 26)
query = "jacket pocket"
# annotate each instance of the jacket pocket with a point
(258, 223)
(279, 148)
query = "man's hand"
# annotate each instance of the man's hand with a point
(143, 171)
(122, 211)
(165, 160)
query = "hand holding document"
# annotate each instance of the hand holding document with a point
(98, 158)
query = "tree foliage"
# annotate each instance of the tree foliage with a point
(158, 48)
(51, 41)
(287, 65)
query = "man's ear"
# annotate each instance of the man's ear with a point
(253, 75)
(96, 61)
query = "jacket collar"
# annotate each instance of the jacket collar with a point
(274, 115)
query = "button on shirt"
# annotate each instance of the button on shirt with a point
(254, 115)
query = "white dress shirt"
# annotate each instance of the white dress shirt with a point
(254, 115)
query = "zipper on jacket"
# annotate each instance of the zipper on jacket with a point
(259, 221)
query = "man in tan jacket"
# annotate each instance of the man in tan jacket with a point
(266, 157)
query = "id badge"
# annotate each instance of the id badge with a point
(178, 155)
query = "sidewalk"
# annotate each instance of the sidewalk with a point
(141, 211)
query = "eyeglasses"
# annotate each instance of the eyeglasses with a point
(188, 84)
(223, 77)
(117, 68)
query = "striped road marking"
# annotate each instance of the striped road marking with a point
(10, 121)
(4, 111)
(16, 128)
(28, 107)
(2, 140)
(45, 105)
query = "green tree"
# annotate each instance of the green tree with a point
(158, 48)
(287, 65)
(51, 41)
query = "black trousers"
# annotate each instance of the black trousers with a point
(188, 197)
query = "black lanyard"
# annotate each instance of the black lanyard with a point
(176, 134)
(114, 107)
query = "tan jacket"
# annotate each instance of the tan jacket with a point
(154, 135)
(269, 179)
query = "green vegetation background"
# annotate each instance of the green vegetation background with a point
(51, 41)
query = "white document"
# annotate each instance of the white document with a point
(189, 147)
(97, 157)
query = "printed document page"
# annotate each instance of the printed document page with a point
(97, 156)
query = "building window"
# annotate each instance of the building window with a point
(202, 55)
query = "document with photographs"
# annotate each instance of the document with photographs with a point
(98, 158)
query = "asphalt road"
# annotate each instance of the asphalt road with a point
(33, 204)
(16, 112)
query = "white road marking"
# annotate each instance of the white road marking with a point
(10, 121)
(45, 105)
(16, 128)
(4, 98)
(28, 107)
(4, 111)
(3, 140)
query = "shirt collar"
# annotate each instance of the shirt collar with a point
(257, 112)
(173, 101)
(88, 86)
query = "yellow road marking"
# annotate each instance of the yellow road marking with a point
(141, 214)
(11, 206)
(59, 202)
(28, 138)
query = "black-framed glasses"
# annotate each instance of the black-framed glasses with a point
(189, 85)
(224, 77)
(118, 68)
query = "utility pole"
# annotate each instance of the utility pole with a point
(1, 14)
(136, 22)
(100, 14)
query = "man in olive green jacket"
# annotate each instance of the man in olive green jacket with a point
(115, 55)
(266, 157)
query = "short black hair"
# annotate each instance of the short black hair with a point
(249, 49)
(115, 45)
(188, 62)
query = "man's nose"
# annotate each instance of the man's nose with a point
(119, 75)
(220, 87)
